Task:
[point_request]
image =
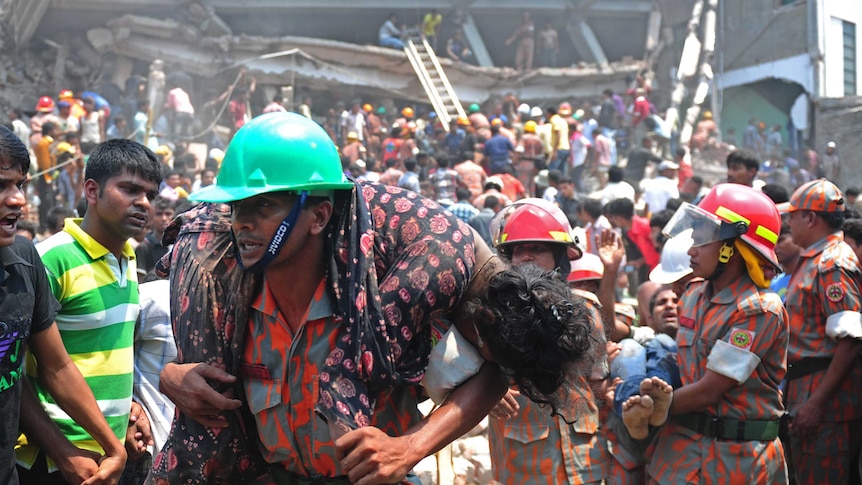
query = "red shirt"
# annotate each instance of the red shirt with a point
(639, 234)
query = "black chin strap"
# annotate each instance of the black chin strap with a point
(278, 239)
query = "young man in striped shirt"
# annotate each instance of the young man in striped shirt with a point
(91, 271)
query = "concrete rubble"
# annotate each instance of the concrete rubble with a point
(205, 47)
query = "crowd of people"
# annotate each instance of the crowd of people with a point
(274, 312)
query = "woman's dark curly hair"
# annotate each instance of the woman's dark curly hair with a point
(536, 333)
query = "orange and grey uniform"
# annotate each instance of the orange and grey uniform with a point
(280, 371)
(823, 303)
(741, 333)
(534, 447)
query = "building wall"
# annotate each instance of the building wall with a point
(835, 13)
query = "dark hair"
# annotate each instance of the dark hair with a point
(48, 127)
(410, 164)
(29, 226)
(463, 193)
(160, 204)
(660, 218)
(442, 161)
(13, 152)
(832, 219)
(115, 157)
(673, 204)
(593, 207)
(56, 217)
(743, 157)
(495, 129)
(697, 179)
(491, 184)
(851, 213)
(777, 192)
(620, 207)
(853, 230)
(536, 333)
(852, 191)
(554, 176)
(615, 174)
(491, 202)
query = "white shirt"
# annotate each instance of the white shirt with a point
(154, 347)
(614, 191)
(658, 191)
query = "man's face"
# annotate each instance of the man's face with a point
(800, 227)
(786, 250)
(12, 201)
(704, 259)
(664, 317)
(850, 199)
(738, 174)
(540, 254)
(255, 221)
(690, 187)
(207, 178)
(567, 190)
(174, 180)
(161, 219)
(122, 205)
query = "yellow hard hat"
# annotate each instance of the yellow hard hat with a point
(407, 112)
(64, 147)
(367, 108)
(530, 127)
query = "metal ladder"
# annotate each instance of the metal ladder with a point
(434, 80)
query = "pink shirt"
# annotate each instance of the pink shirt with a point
(178, 100)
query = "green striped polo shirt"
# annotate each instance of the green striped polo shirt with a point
(98, 296)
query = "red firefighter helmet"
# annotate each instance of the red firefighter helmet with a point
(534, 223)
(729, 211)
(45, 104)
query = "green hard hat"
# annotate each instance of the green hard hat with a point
(276, 152)
(473, 108)
(381, 110)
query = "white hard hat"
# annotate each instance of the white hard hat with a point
(524, 108)
(535, 112)
(675, 261)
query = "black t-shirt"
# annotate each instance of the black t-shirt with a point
(27, 306)
(638, 159)
(148, 253)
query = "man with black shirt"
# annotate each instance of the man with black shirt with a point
(150, 251)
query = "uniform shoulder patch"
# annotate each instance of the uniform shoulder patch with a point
(835, 292)
(751, 305)
(742, 338)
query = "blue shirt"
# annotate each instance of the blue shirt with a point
(497, 150)
(453, 141)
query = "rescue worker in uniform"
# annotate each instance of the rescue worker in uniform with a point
(824, 376)
(732, 339)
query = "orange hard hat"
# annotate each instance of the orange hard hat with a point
(66, 94)
(367, 108)
(565, 109)
(407, 112)
(496, 122)
(463, 121)
(45, 104)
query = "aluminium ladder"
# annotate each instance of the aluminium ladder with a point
(440, 93)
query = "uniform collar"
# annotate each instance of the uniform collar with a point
(9, 257)
(322, 304)
(821, 245)
(93, 248)
(731, 292)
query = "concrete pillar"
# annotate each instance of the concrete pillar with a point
(586, 42)
(474, 38)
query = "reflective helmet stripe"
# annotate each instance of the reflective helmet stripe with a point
(767, 234)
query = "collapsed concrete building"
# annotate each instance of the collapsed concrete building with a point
(330, 45)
